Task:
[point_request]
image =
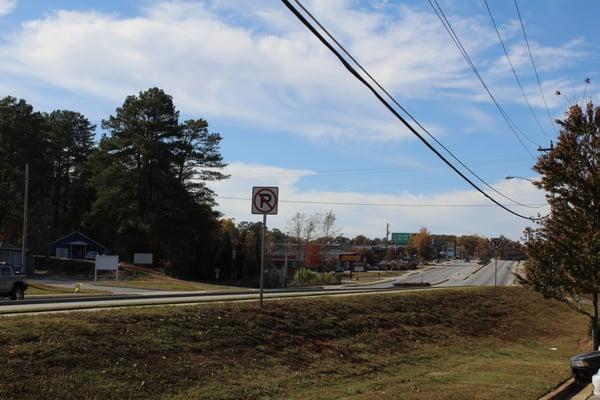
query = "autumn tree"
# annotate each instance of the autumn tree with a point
(564, 252)
(361, 240)
(468, 243)
(421, 244)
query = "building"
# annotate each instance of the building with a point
(11, 255)
(76, 245)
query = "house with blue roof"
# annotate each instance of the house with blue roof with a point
(76, 245)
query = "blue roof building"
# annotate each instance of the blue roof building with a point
(76, 245)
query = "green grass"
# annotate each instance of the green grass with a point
(448, 344)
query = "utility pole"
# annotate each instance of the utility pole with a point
(285, 265)
(25, 212)
(540, 148)
(387, 242)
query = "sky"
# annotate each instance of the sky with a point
(292, 116)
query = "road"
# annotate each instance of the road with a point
(449, 274)
(460, 273)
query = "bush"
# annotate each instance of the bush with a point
(484, 260)
(309, 277)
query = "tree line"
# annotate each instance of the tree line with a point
(141, 188)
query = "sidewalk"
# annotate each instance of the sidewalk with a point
(586, 393)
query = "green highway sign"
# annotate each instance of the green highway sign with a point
(401, 238)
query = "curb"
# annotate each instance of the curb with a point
(566, 390)
(562, 388)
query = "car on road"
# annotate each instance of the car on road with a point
(12, 283)
(585, 365)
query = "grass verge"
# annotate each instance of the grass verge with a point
(41, 289)
(144, 278)
(373, 276)
(448, 344)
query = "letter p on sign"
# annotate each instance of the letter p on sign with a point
(264, 199)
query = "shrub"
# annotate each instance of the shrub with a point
(309, 277)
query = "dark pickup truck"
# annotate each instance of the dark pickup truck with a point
(12, 283)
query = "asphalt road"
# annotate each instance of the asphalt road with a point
(460, 273)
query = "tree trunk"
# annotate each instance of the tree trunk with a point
(595, 322)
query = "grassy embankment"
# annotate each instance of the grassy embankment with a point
(504, 343)
(43, 289)
(146, 278)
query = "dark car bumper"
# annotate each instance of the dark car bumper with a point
(583, 375)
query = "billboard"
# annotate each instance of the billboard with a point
(142, 258)
(401, 238)
(106, 263)
(351, 257)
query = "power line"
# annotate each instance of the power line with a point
(511, 124)
(513, 70)
(537, 77)
(351, 69)
(338, 203)
(393, 99)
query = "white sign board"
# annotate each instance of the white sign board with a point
(142, 258)
(106, 263)
(264, 200)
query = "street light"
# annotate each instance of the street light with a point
(519, 177)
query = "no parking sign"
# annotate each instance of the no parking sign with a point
(264, 199)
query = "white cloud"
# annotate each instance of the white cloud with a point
(371, 220)
(7, 6)
(254, 65)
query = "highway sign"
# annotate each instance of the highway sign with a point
(264, 199)
(496, 243)
(401, 238)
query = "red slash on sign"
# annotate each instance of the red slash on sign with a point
(264, 200)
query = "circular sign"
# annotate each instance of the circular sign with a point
(265, 200)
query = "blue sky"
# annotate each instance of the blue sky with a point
(291, 116)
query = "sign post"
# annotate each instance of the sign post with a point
(496, 242)
(264, 201)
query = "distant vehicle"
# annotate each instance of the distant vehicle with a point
(339, 269)
(12, 283)
(467, 259)
(584, 366)
(91, 255)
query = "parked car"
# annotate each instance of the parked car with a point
(12, 283)
(91, 255)
(585, 365)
